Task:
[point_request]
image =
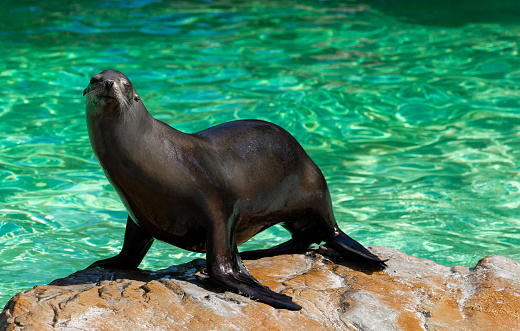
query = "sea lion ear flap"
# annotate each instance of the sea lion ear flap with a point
(136, 97)
(85, 91)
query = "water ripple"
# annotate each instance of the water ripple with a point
(414, 124)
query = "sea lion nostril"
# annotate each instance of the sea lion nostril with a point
(110, 83)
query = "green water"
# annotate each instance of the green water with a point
(411, 112)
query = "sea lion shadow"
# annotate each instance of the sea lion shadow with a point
(192, 272)
(352, 262)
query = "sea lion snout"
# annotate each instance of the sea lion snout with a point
(108, 84)
(107, 80)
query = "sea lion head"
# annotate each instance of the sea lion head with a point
(110, 92)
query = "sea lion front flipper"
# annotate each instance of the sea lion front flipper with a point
(136, 244)
(291, 246)
(351, 248)
(235, 276)
(226, 268)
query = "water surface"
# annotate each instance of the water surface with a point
(412, 118)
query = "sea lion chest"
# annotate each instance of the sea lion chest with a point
(157, 185)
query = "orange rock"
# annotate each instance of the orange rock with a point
(411, 294)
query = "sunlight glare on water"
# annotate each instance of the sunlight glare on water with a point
(411, 113)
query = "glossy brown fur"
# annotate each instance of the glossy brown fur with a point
(208, 191)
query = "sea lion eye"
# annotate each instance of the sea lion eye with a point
(125, 84)
(94, 80)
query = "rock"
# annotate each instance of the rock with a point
(411, 294)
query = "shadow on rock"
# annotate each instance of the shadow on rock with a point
(192, 272)
(351, 262)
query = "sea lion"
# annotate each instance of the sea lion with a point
(209, 191)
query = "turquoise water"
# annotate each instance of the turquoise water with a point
(412, 113)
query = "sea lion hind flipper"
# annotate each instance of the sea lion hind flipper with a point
(136, 244)
(292, 246)
(350, 248)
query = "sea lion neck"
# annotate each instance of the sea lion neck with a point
(125, 130)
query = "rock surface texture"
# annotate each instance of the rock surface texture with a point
(411, 294)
